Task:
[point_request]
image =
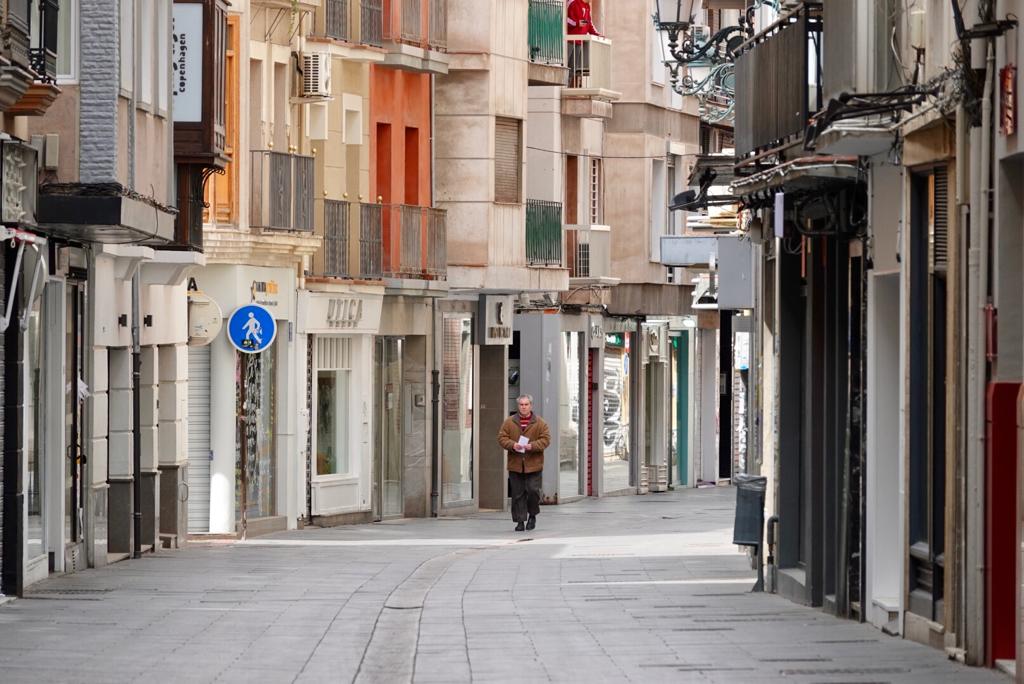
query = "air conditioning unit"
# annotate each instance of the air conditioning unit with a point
(316, 74)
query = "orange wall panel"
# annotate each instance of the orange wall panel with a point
(400, 164)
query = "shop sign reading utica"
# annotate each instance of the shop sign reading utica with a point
(344, 312)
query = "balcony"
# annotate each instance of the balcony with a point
(776, 91)
(588, 92)
(282, 192)
(413, 242)
(546, 35)
(42, 91)
(415, 34)
(588, 248)
(351, 247)
(543, 233)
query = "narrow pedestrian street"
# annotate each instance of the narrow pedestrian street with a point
(633, 588)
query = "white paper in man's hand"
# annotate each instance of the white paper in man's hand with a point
(521, 444)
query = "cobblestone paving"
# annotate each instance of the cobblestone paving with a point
(642, 589)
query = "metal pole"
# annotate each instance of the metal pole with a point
(243, 445)
(136, 418)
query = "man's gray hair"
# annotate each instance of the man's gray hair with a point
(527, 397)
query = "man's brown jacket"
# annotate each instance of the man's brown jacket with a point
(539, 436)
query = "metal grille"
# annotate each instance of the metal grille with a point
(543, 233)
(411, 240)
(336, 238)
(370, 248)
(940, 219)
(337, 19)
(546, 32)
(371, 22)
(578, 247)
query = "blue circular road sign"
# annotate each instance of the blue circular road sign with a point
(251, 328)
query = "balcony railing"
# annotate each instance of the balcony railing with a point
(351, 241)
(371, 22)
(423, 23)
(590, 62)
(589, 251)
(415, 241)
(44, 55)
(777, 77)
(546, 32)
(338, 19)
(282, 191)
(543, 233)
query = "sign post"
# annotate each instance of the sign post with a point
(251, 329)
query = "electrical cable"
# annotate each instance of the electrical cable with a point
(612, 156)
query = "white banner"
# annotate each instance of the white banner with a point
(187, 86)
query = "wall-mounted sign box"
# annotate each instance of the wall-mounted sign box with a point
(199, 56)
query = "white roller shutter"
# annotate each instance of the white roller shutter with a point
(199, 452)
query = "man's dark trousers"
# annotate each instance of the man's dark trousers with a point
(524, 488)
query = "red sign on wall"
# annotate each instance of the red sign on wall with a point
(1008, 100)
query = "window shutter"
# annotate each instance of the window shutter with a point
(508, 160)
(940, 220)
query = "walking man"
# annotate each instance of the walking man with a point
(524, 436)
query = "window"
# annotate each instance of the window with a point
(257, 131)
(221, 189)
(659, 207)
(508, 160)
(162, 63)
(333, 405)
(67, 38)
(597, 192)
(145, 25)
(127, 47)
(572, 189)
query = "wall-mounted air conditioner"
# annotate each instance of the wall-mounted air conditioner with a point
(316, 74)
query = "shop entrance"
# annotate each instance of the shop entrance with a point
(389, 416)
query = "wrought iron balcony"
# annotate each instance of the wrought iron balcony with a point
(546, 32)
(422, 23)
(282, 191)
(351, 246)
(543, 233)
(588, 249)
(44, 55)
(414, 241)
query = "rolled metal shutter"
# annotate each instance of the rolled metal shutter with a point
(508, 160)
(199, 452)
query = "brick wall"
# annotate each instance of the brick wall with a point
(99, 46)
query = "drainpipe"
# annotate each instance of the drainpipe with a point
(435, 391)
(136, 416)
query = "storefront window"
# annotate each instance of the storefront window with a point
(457, 421)
(569, 418)
(332, 388)
(34, 405)
(258, 464)
(616, 412)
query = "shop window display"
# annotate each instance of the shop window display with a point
(457, 403)
(569, 418)
(616, 411)
(255, 378)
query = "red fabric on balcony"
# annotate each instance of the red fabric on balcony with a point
(579, 20)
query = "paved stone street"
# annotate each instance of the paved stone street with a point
(620, 589)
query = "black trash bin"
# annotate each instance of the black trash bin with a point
(749, 509)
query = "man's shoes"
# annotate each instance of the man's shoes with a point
(531, 523)
(520, 527)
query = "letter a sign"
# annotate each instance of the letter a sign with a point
(251, 329)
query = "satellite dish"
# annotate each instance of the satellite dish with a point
(205, 319)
